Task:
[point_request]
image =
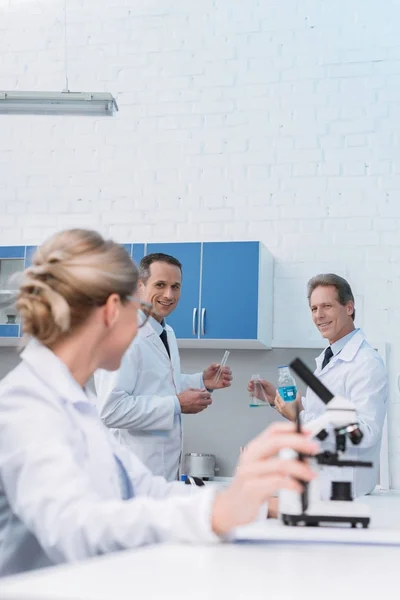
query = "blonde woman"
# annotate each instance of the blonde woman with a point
(68, 491)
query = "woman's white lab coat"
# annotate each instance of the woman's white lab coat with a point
(60, 494)
(139, 401)
(357, 373)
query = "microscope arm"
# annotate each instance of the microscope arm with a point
(318, 424)
(340, 412)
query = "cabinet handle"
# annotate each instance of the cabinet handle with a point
(194, 321)
(203, 314)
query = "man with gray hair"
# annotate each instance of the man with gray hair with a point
(349, 367)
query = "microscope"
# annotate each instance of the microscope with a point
(307, 508)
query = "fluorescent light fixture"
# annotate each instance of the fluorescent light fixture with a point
(57, 103)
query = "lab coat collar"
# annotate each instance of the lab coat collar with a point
(348, 353)
(352, 346)
(340, 344)
(154, 324)
(53, 372)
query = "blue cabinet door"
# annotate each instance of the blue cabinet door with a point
(184, 319)
(29, 252)
(12, 252)
(229, 297)
(137, 252)
(9, 331)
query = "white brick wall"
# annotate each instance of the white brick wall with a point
(238, 120)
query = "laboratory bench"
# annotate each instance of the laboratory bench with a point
(252, 571)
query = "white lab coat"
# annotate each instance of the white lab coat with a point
(60, 492)
(139, 401)
(357, 373)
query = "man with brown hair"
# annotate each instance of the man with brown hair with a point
(143, 401)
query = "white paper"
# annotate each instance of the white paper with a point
(274, 531)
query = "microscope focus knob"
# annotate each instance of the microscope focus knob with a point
(322, 435)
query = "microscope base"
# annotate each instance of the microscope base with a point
(305, 520)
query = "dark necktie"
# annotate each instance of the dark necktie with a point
(164, 339)
(327, 356)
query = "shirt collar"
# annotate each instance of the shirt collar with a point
(340, 344)
(158, 327)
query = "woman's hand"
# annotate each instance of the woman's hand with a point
(261, 474)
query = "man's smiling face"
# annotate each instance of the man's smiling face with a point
(332, 319)
(162, 289)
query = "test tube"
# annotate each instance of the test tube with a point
(221, 366)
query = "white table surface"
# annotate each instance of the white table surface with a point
(232, 571)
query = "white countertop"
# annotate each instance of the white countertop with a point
(233, 571)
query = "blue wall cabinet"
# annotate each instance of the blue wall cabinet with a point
(226, 298)
(12, 260)
(8, 252)
(227, 294)
(128, 248)
(236, 297)
(9, 331)
(185, 319)
(136, 251)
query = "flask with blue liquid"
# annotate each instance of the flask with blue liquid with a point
(286, 384)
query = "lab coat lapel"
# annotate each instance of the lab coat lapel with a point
(175, 361)
(93, 442)
(155, 339)
(319, 360)
(347, 354)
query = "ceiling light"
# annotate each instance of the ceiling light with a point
(57, 103)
